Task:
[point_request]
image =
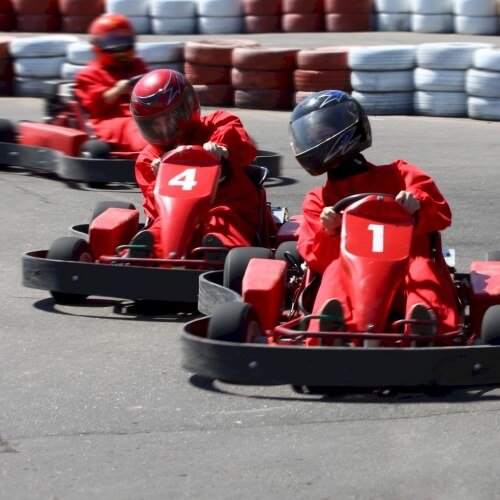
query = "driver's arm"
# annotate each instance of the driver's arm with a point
(120, 88)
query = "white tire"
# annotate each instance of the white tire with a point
(440, 80)
(453, 55)
(474, 7)
(41, 46)
(29, 87)
(384, 57)
(488, 59)
(482, 83)
(219, 8)
(451, 104)
(431, 23)
(79, 53)
(476, 25)
(69, 71)
(382, 81)
(129, 8)
(484, 108)
(153, 52)
(392, 5)
(393, 21)
(172, 8)
(220, 25)
(385, 103)
(174, 25)
(38, 67)
(141, 24)
(432, 6)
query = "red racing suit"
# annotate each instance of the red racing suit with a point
(235, 214)
(426, 280)
(111, 123)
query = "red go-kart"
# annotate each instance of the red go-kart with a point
(257, 332)
(97, 259)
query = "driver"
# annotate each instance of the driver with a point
(103, 86)
(167, 112)
(329, 130)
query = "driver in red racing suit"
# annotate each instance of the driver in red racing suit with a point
(167, 112)
(103, 85)
(329, 129)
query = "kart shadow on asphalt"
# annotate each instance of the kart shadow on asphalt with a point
(124, 309)
(279, 181)
(374, 396)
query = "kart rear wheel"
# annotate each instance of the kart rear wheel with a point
(288, 252)
(234, 322)
(236, 264)
(490, 328)
(98, 150)
(73, 249)
(8, 131)
(101, 206)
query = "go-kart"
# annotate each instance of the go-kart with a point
(96, 259)
(256, 329)
(65, 145)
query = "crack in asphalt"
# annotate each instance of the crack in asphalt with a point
(6, 447)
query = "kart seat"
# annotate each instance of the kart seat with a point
(257, 174)
(308, 295)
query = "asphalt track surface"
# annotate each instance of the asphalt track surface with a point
(94, 402)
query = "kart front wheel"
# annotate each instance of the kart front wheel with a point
(8, 132)
(74, 249)
(98, 150)
(234, 322)
(490, 328)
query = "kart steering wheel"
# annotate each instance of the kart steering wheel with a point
(132, 81)
(345, 202)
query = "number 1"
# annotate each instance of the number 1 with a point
(378, 237)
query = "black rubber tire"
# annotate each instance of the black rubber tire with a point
(234, 322)
(69, 248)
(493, 255)
(95, 149)
(8, 131)
(236, 264)
(288, 247)
(101, 206)
(490, 327)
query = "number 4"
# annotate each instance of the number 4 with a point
(185, 179)
(378, 237)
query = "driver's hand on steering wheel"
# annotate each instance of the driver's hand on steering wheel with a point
(330, 220)
(123, 86)
(409, 202)
(218, 151)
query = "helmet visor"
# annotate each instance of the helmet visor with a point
(114, 43)
(317, 127)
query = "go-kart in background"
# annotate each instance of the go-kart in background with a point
(95, 404)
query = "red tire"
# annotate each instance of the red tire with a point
(348, 22)
(264, 58)
(258, 79)
(327, 58)
(262, 24)
(263, 99)
(313, 81)
(204, 74)
(5, 6)
(7, 22)
(261, 7)
(302, 23)
(37, 7)
(301, 6)
(38, 23)
(76, 24)
(81, 7)
(348, 6)
(214, 52)
(215, 95)
(4, 48)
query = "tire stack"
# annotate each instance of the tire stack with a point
(78, 54)
(160, 55)
(262, 16)
(6, 72)
(320, 69)
(440, 78)
(173, 17)
(302, 16)
(136, 11)
(429, 16)
(393, 15)
(382, 78)
(475, 17)
(348, 15)
(7, 16)
(263, 77)
(37, 59)
(219, 16)
(40, 16)
(76, 15)
(482, 83)
(207, 65)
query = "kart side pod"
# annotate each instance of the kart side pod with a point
(263, 286)
(485, 290)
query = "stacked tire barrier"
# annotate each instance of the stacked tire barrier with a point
(475, 17)
(6, 71)
(319, 69)
(137, 12)
(219, 16)
(77, 15)
(392, 15)
(7, 16)
(78, 54)
(263, 77)
(302, 16)
(37, 16)
(159, 55)
(262, 16)
(382, 78)
(429, 16)
(352, 15)
(173, 17)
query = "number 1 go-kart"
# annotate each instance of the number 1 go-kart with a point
(99, 261)
(256, 329)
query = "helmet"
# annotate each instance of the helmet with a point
(113, 39)
(327, 128)
(164, 104)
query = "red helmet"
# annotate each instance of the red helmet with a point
(113, 39)
(164, 104)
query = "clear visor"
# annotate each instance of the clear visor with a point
(116, 43)
(315, 128)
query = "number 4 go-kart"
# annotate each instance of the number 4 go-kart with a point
(256, 329)
(99, 261)
(65, 145)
